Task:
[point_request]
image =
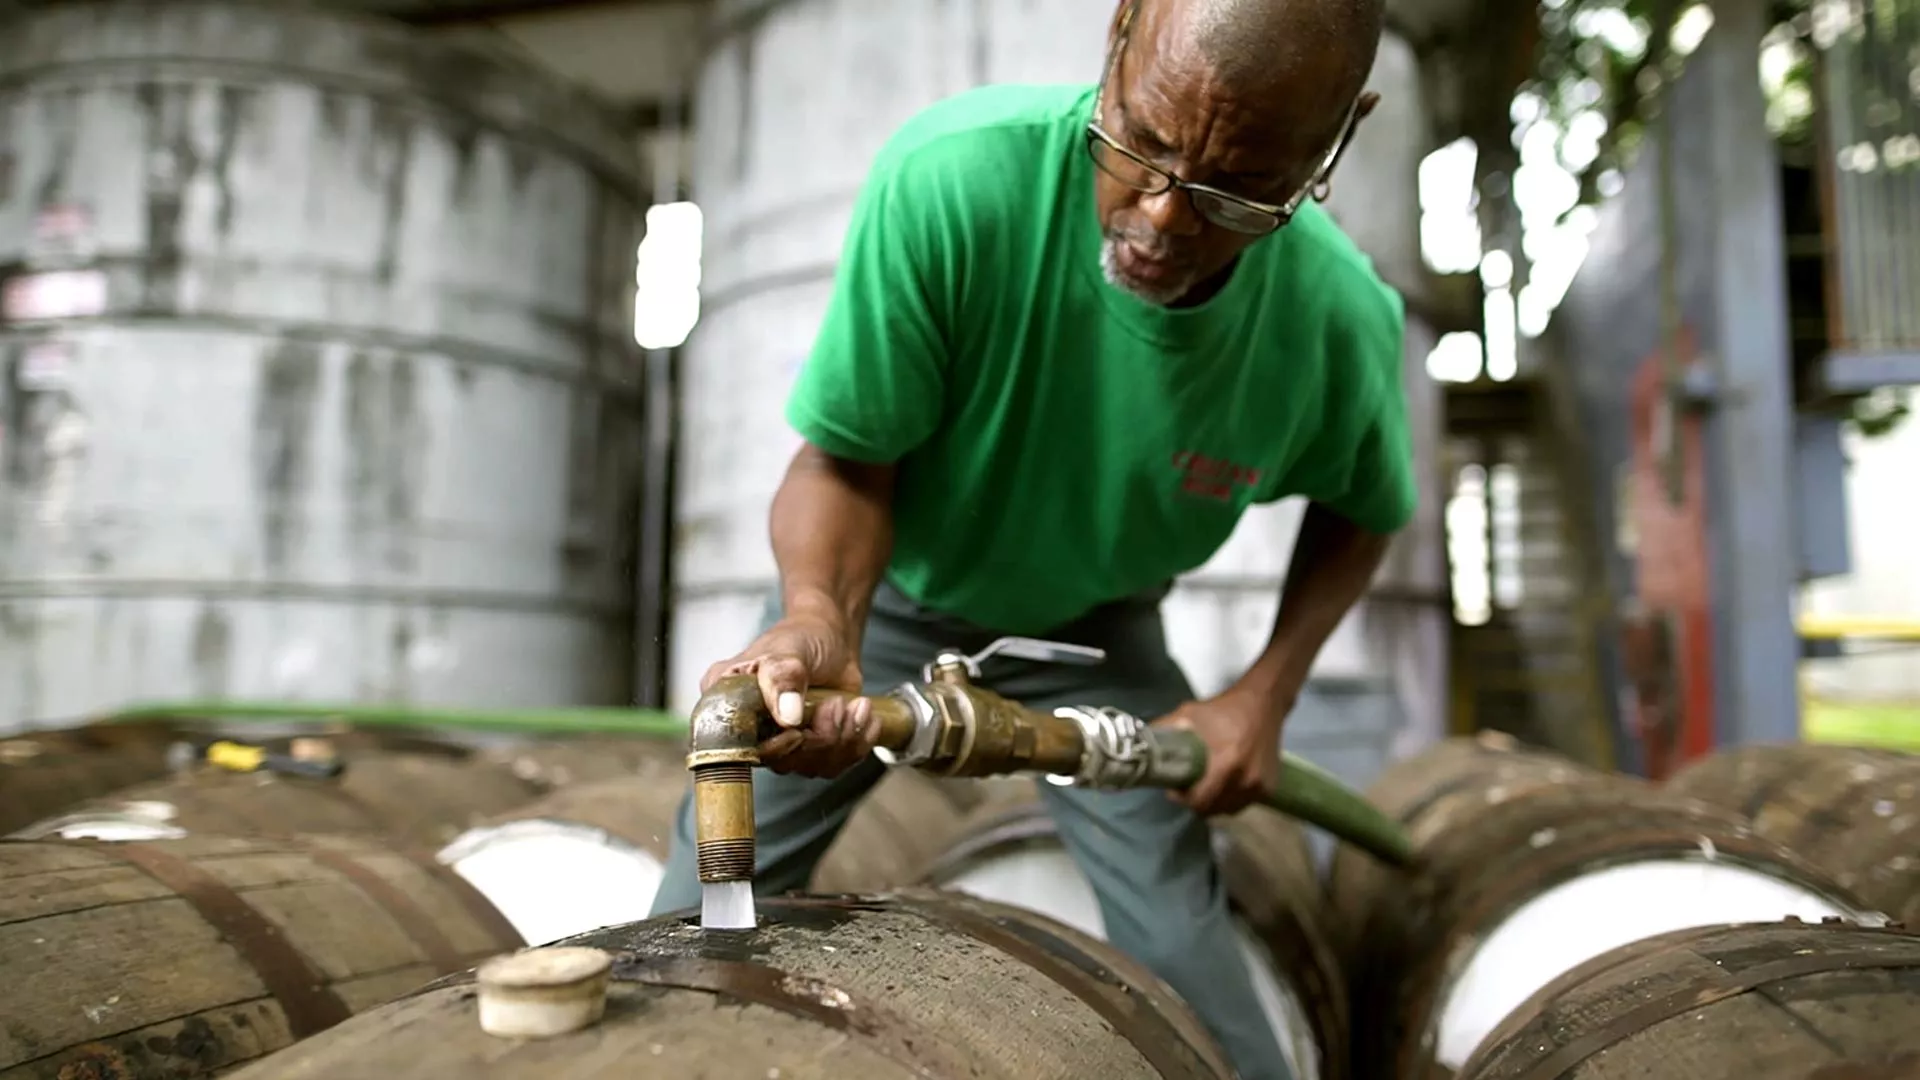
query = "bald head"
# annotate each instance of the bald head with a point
(1262, 50)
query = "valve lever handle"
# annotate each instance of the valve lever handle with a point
(1019, 648)
(1044, 652)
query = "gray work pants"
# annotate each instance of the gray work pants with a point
(1148, 858)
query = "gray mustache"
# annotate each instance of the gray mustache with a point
(1150, 245)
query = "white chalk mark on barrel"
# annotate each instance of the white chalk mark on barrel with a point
(1598, 911)
(555, 878)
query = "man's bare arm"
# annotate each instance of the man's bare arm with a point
(832, 525)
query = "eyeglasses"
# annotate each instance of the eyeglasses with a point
(1227, 210)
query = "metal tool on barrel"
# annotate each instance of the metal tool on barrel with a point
(947, 725)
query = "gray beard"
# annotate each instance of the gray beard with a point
(1162, 296)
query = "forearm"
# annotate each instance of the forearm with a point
(832, 526)
(1333, 563)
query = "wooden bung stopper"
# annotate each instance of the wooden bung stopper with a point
(540, 993)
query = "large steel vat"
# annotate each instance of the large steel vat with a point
(317, 373)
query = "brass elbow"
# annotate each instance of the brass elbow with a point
(723, 746)
(725, 725)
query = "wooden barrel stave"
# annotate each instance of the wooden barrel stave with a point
(46, 772)
(1865, 834)
(593, 854)
(918, 984)
(1853, 811)
(1440, 953)
(1469, 767)
(550, 764)
(903, 824)
(1885, 872)
(1783, 999)
(1454, 777)
(686, 1037)
(411, 798)
(1747, 778)
(176, 959)
(1830, 803)
(1008, 851)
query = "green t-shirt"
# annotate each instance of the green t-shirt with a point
(1060, 442)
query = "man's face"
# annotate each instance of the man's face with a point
(1161, 104)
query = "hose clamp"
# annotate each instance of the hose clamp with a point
(1116, 747)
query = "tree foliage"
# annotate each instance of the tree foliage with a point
(1612, 58)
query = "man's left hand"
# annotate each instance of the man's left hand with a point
(1241, 730)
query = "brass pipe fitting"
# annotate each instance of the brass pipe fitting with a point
(945, 725)
(723, 746)
(724, 734)
(948, 726)
(976, 732)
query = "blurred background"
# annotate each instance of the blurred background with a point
(432, 353)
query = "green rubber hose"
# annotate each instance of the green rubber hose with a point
(1315, 796)
(647, 723)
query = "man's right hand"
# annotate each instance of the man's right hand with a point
(797, 653)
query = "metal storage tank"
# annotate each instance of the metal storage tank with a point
(317, 371)
(784, 143)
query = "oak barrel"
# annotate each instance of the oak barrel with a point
(552, 763)
(1786, 1000)
(1528, 866)
(418, 799)
(46, 772)
(1009, 852)
(1854, 811)
(170, 959)
(907, 820)
(593, 854)
(914, 985)
(1427, 786)
(586, 855)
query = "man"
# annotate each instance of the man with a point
(1075, 332)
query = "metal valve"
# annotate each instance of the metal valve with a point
(1119, 750)
(955, 725)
